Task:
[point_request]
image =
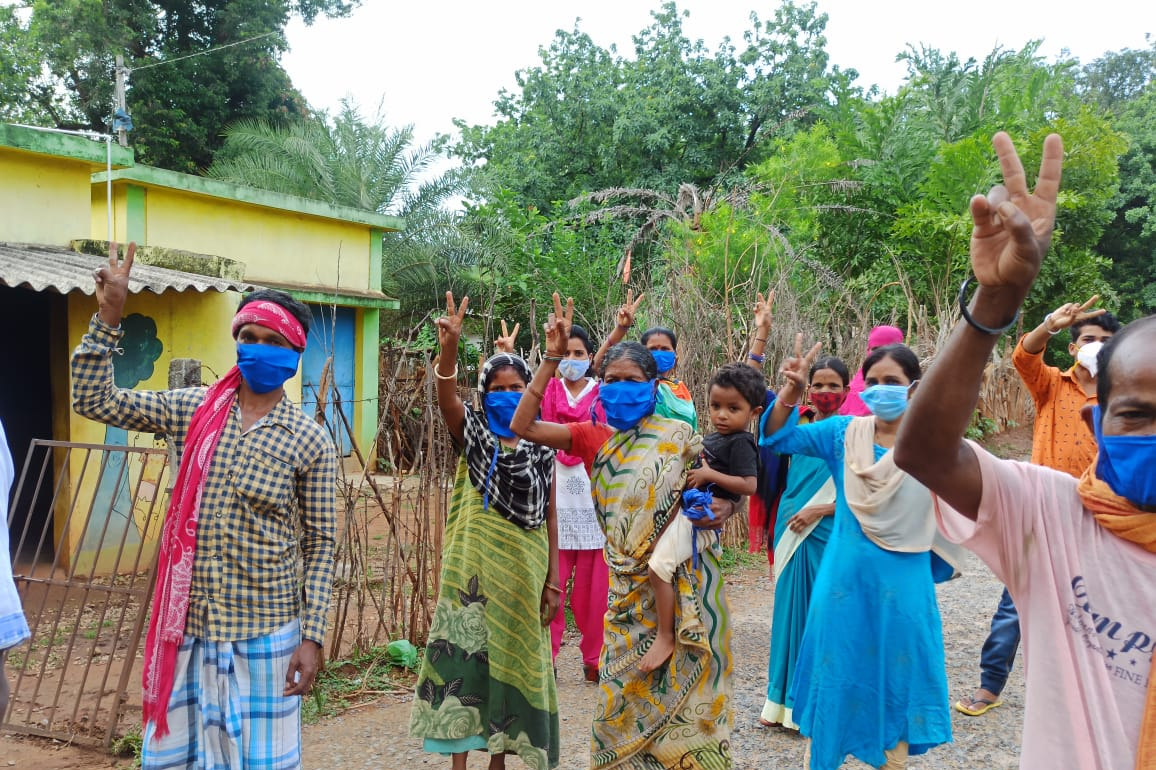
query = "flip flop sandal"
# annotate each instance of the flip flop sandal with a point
(977, 707)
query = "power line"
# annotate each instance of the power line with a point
(200, 53)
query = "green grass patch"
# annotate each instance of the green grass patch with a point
(129, 746)
(738, 559)
(349, 682)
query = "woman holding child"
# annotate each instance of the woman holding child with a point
(870, 678)
(679, 714)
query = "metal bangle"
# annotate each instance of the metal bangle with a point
(963, 311)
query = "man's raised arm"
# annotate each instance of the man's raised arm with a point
(1011, 231)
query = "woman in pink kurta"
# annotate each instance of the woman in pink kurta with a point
(573, 397)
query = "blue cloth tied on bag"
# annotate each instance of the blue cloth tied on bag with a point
(696, 506)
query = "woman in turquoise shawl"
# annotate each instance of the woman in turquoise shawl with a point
(802, 528)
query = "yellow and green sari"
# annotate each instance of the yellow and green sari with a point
(679, 715)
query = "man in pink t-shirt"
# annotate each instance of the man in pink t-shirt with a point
(1077, 555)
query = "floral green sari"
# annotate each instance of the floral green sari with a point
(486, 682)
(678, 716)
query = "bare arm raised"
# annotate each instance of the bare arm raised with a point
(623, 321)
(794, 371)
(525, 422)
(1056, 321)
(449, 329)
(762, 328)
(1011, 231)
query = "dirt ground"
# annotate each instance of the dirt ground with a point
(374, 736)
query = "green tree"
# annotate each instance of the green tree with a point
(588, 119)
(1118, 77)
(1130, 240)
(878, 198)
(179, 105)
(1123, 83)
(19, 67)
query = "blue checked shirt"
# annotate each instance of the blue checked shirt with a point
(269, 501)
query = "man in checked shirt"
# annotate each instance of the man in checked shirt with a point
(234, 638)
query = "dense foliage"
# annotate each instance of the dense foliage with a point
(65, 51)
(698, 176)
(758, 165)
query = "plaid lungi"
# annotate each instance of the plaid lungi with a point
(227, 711)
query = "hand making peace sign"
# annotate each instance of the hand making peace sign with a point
(796, 369)
(763, 315)
(1064, 316)
(1012, 228)
(112, 283)
(626, 313)
(557, 327)
(450, 325)
(505, 343)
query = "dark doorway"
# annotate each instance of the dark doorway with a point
(26, 388)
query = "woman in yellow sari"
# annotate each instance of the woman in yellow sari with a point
(680, 714)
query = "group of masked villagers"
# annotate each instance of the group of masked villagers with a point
(871, 510)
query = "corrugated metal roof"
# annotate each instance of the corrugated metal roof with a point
(54, 269)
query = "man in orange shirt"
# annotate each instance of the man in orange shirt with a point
(1060, 440)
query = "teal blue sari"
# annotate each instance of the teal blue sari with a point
(795, 577)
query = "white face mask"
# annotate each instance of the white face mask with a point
(1086, 356)
(573, 369)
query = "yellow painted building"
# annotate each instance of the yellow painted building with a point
(202, 241)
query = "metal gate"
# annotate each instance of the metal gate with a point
(85, 578)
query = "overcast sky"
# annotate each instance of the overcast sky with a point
(430, 62)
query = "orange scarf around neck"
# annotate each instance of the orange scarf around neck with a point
(1121, 518)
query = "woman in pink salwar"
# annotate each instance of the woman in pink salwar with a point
(573, 397)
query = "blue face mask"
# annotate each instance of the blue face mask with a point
(626, 402)
(1125, 464)
(665, 360)
(266, 367)
(887, 402)
(573, 369)
(500, 406)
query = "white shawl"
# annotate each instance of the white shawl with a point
(894, 510)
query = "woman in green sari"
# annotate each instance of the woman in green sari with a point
(680, 714)
(486, 682)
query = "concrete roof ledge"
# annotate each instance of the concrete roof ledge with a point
(50, 142)
(172, 259)
(198, 185)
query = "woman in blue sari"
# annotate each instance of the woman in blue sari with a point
(870, 679)
(802, 528)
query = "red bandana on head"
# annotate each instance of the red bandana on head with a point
(179, 536)
(271, 316)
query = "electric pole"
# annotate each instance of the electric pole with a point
(121, 74)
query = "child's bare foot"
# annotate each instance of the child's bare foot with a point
(659, 652)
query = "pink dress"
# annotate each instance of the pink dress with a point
(580, 538)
